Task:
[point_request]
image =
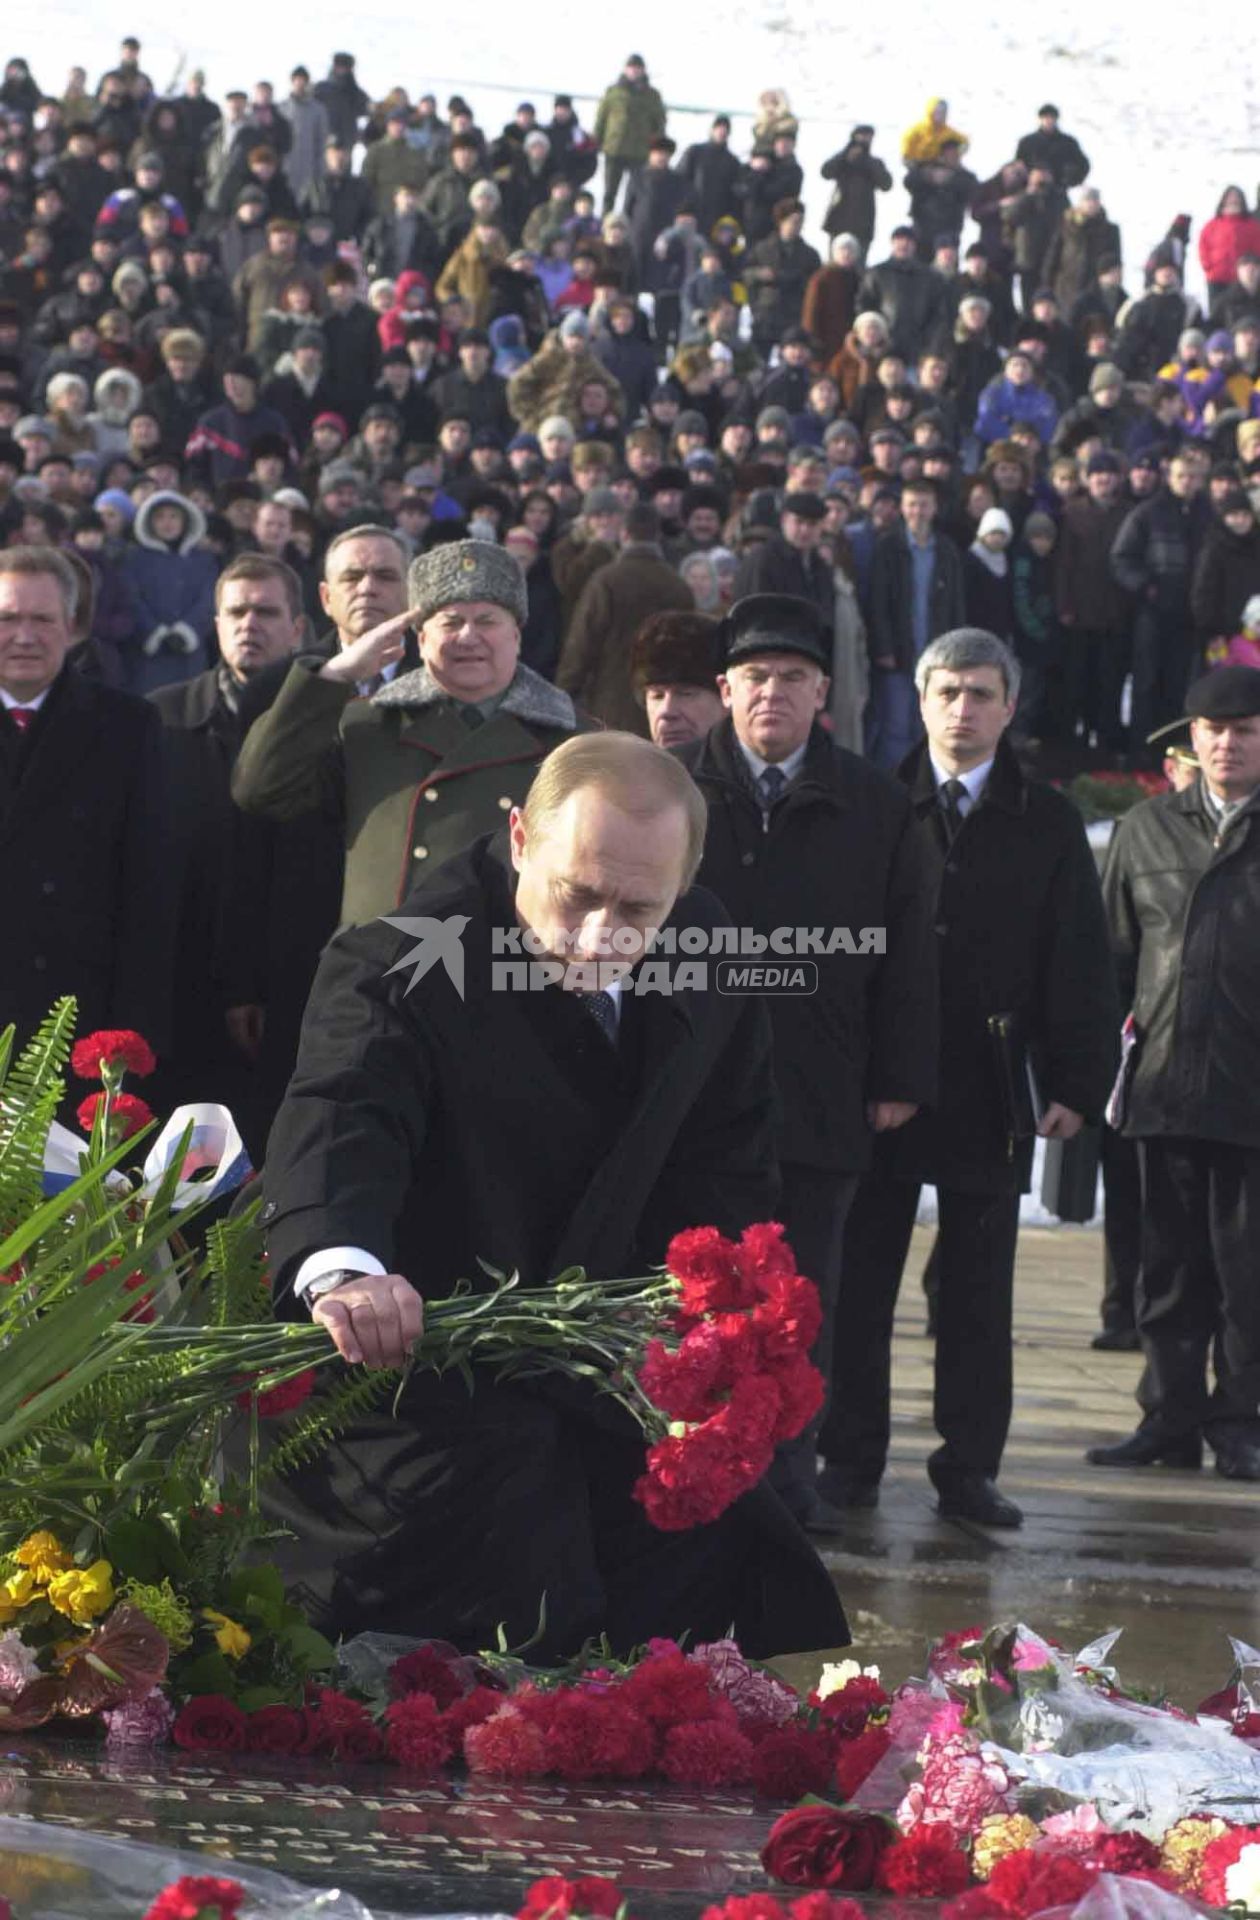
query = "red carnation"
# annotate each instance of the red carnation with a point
(416, 1734)
(751, 1906)
(1032, 1881)
(1126, 1852)
(827, 1847)
(275, 1729)
(669, 1690)
(765, 1256)
(507, 1744)
(112, 1047)
(127, 1114)
(791, 1762)
(789, 1319)
(470, 1712)
(846, 1712)
(197, 1895)
(590, 1735)
(557, 1899)
(707, 1754)
(209, 1723)
(859, 1758)
(801, 1389)
(283, 1397)
(710, 1271)
(927, 1864)
(343, 1727)
(435, 1668)
(1218, 1857)
(977, 1903)
(824, 1906)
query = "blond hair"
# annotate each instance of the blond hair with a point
(635, 775)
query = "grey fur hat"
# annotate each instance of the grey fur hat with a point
(467, 570)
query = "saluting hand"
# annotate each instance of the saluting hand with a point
(374, 1320)
(364, 658)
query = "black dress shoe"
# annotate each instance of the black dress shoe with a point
(1150, 1447)
(843, 1489)
(1238, 1460)
(1117, 1340)
(819, 1516)
(973, 1496)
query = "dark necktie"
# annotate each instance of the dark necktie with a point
(21, 717)
(471, 715)
(603, 1011)
(771, 784)
(953, 792)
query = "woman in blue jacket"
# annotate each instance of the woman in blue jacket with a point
(171, 579)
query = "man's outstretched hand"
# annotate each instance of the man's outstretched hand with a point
(374, 1320)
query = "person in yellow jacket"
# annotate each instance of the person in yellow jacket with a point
(926, 137)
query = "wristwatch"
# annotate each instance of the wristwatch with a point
(326, 1283)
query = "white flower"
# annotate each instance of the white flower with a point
(1242, 1880)
(18, 1665)
(838, 1673)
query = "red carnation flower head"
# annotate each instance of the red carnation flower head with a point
(669, 1689)
(827, 1847)
(788, 1319)
(1032, 1881)
(276, 1729)
(752, 1906)
(710, 1272)
(1123, 1853)
(436, 1668)
(470, 1712)
(556, 1898)
(765, 1256)
(416, 1733)
(791, 1762)
(342, 1727)
(927, 1864)
(508, 1745)
(111, 1052)
(591, 1734)
(847, 1712)
(708, 1753)
(127, 1114)
(1218, 1857)
(801, 1391)
(285, 1397)
(198, 1896)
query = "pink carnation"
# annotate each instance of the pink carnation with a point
(758, 1698)
(1077, 1831)
(139, 1723)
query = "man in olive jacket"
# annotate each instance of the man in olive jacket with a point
(628, 118)
(1182, 888)
(807, 839)
(417, 769)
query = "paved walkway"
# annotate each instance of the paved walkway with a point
(1173, 1557)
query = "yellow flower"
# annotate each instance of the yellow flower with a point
(230, 1637)
(998, 1835)
(44, 1555)
(1181, 1851)
(15, 1593)
(83, 1592)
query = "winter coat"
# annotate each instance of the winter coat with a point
(388, 251)
(1074, 255)
(172, 594)
(1087, 594)
(858, 177)
(1033, 223)
(310, 126)
(353, 358)
(258, 287)
(628, 118)
(348, 201)
(218, 447)
(776, 303)
(1226, 575)
(911, 298)
(1149, 330)
(631, 361)
(711, 172)
(552, 383)
(1155, 551)
(575, 559)
(1019, 926)
(389, 164)
(1035, 626)
(483, 403)
(890, 616)
(595, 659)
(467, 273)
(939, 198)
(1058, 153)
(372, 764)
(976, 363)
(1183, 906)
(925, 139)
(838, 851)
(345, 103)
(988, 597)
(109, 423)
(772, 566)
(1002, 404)
(828, 307)
(444, 202)
(1222, 240)
(1086, 420)
(652, 202)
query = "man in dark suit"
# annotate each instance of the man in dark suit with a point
(916, 594)
(259, 623)
(88, 890)
(790, 562)
(438, 1119)
(1025, 975)
(805, 836)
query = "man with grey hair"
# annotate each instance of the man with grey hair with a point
(1028, 1040)
(414, 761)
(88, 889)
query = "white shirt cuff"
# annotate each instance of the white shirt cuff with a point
(333, 1260)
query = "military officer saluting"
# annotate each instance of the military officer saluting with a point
(436, 755)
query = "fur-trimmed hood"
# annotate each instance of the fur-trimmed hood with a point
(529, 697)
(194, 518)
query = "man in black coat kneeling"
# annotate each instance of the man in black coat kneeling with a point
(458, 1111)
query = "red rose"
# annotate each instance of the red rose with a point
(210, 1723)
(275, 1730)
(827, 1847)
(927, 1865)
(112, 1047)
(846, 1711)
(127, 1115)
